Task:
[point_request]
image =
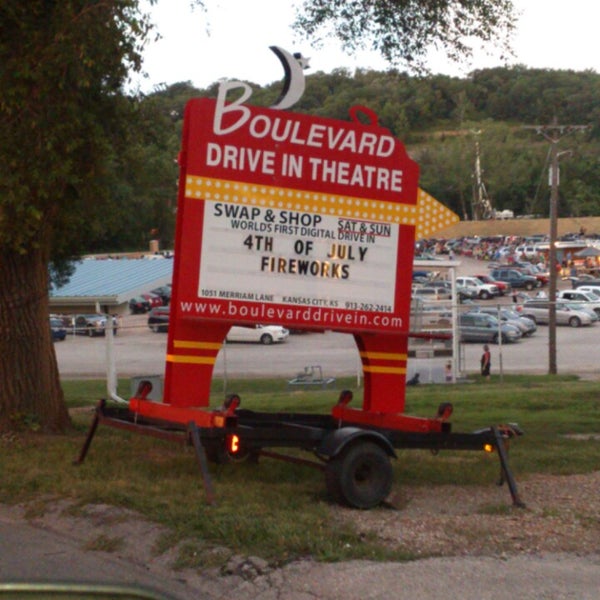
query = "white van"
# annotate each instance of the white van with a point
(528, 251)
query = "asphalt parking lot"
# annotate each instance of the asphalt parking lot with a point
(141, 352)
(138, 351)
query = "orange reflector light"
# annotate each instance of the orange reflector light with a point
(233, 444)
(488, 447)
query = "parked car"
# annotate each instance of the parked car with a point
(516, 278)
(539, 311)
(164, 293)
(579, 282)
(503, 286)
(443, 284)
(431, 293)
(139, 305)
(461, 291)
(433, 316)
(58, 330)
(483, 290)
(524, 324)
(263, 334)
(465, 293)
(421, 276)
(92, 324)
(481, 327)
(587, 299)
(543, 277)
(579, 306)
(158, 319)
(153, 300)
(589, 288)
(530, 251)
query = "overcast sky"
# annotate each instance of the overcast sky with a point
(231, 40)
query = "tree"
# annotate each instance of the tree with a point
(403, 31)
(65, 133)
(63, 118)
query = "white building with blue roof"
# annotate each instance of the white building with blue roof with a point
(107, 285)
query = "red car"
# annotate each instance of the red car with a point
(153, 299)
(503, 286)
(542, 277)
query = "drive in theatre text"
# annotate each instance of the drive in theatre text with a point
(281, 236)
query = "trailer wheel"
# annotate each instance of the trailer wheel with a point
(360, 476)
(220, 456)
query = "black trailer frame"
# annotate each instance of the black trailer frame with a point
(355, 459)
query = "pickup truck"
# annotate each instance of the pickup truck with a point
(483, 290)
(587, 299)
(91, 324)
(516, 278)
(503, 286)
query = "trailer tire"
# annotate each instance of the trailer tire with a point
(360, 476)
(216, 455)
(220, 456)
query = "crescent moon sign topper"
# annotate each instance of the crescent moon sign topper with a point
(294, 84)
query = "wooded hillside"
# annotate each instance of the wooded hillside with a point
(439, 119)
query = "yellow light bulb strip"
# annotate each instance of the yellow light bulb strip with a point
(428, 215)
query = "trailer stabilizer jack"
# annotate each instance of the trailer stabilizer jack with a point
(505, 472)
(202, 462)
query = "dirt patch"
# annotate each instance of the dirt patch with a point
(561, 515)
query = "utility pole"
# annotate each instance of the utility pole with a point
(481, 205)
(554, 133)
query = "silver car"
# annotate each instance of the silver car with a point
(579, 306)
(526, 325)
(480, 327)
(431, 293)
(539, 311)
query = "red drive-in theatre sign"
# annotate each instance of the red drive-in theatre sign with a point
(295, 220)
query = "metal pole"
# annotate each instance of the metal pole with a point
(500, 364)
(553, 134)
(456, 363)
(111, 369)
(552, 369)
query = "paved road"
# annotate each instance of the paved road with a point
(35, 553)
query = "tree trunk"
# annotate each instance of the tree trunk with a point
(29, 396)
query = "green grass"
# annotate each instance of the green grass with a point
(279, 510)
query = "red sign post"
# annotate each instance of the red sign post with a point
(296, 220)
